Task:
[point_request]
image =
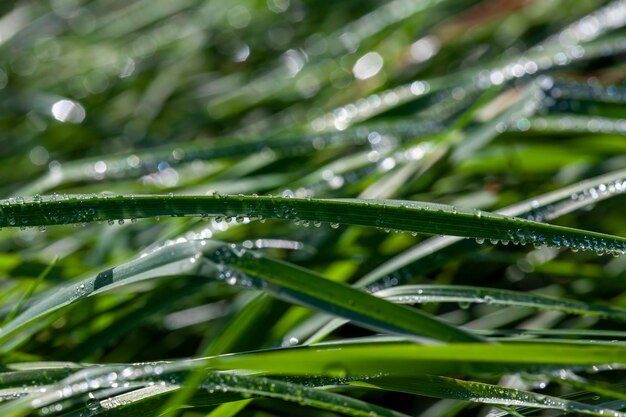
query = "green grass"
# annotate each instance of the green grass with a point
(296, 208)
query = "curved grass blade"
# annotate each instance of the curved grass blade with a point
(418, 217)
(163, 263)
(466, 295)
(443, 387)
(213, 259)
(462, 294)
(302, 286)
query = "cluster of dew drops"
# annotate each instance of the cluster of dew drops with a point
(157, 374)
(515, 236)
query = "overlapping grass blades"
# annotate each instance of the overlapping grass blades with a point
(216, 260)
(357, 368)
(387, 119)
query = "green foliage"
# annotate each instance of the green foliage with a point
(286, 207)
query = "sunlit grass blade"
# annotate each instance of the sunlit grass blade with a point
(406, 359)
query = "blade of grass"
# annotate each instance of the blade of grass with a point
(279, 278)
(443, 387)
(466, 294)
(419, 217)
(407, 359)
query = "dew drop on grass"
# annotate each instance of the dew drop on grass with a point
(489, 299)
(337, 370)
(92, 403)
(334, 225)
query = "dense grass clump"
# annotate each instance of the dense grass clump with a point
(274, 208)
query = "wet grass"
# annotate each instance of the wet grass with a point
(301, 208)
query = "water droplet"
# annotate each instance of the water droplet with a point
(336, 369)
(92, 403)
